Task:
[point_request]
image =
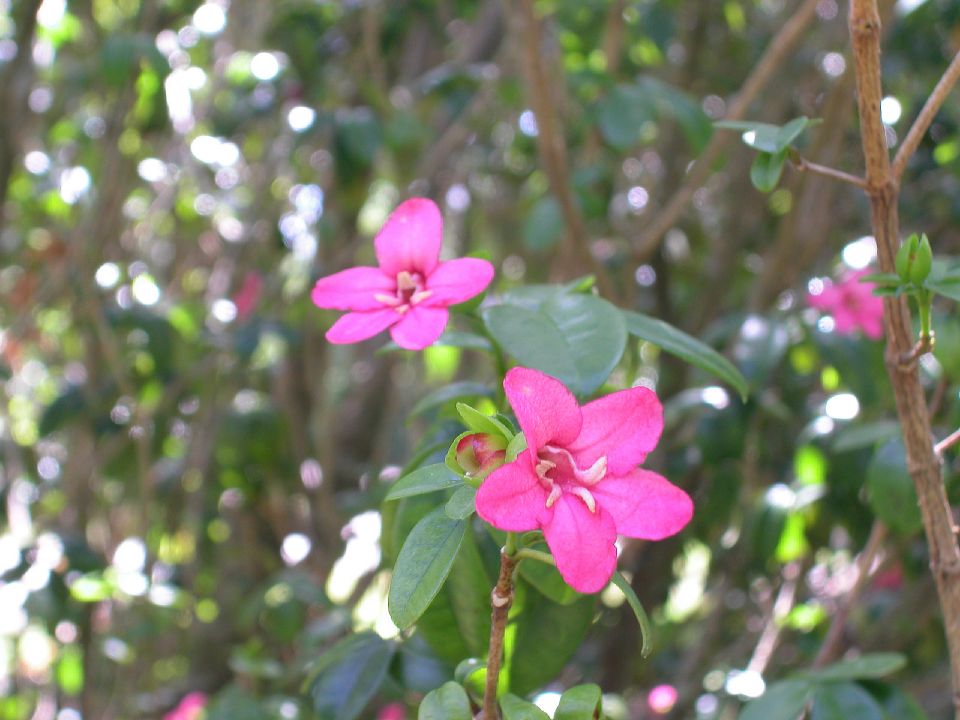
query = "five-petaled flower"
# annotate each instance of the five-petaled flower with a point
(852, 305)
(578, 479)
(411, 289)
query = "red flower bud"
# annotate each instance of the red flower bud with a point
(479, 454)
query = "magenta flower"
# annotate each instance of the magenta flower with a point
(852, 305)
(578, 479)
(191, 707)
(410, 291)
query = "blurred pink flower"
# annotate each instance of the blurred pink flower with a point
(247, 297)
(852, 304)
(578, 480)
(411, 289)
(190, 707)
(393, 711)
(662, 698)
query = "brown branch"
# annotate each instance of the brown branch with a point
(920, 126)
(500, 599)
(830, 648)
(922, 462)
(782, 45)
(551, 141)
(806, 166)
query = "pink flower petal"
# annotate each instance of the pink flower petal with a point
(512, 498)
(353, 289)
(644, 505)
(582, 543)
(419, 327)
(356, 326)
(546, 410)
(825, 300)
(456, 281)
(410, 239)
(845, 322)
(624, 426)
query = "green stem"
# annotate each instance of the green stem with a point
(529, 554)
(923, 303)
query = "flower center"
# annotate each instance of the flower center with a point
(409, 292)
(559, 473)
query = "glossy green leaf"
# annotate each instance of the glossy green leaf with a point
(844, 701)
(582, 702)
(783, 700)
(423, 565)
(447, 393)
(646, 630)
(578, 339)
(766, 137)
(349, 675)
(447, 702)
(766, 170)
(890, 490)
(462, 504)
(874, 665)
(687, 348)
(427, 479)
(478, 422)
(516, 709)
(546, 578)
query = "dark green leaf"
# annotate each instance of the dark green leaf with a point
(890, 489)
(546, 578)
(423, 565)
(543, 226)
(453, 391)
(516, 709)
(622, 114)
(447, 702)
(854, 437)
(578, 339)
(844, 701)
(349, 675)
(874, 665)
(646, 631)
(427, 479)
(672, 103)
(462, 504)
(579, 703)
(677, 342)
(766, 170)
(783, 700)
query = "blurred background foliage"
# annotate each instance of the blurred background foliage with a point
(192, 477)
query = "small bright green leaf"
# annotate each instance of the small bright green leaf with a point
(844, 701)
(453, 391)
(447, 702)
(890, 489)
(468, 667)
(478, 422)
(423, 565)
(349, 675)
(646, 631)
(515, 447)
(69, 670)
(462, 504)
(579, 703)
(865, 667)
(427, 479)
(766, 170)
(687, 348)
(783, 700)
(516, 709)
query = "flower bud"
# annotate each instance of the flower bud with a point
(479, 454)
(923, 261)
(906, 256)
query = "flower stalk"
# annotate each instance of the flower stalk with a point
(501, 599)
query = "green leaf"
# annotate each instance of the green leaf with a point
(546, 578)
(874, 665)
(766, 170)
(671, 102)
(843, 701)
(578, 339)
(948, 288)
(579, 703)
(646, 631)
(453, 391)
(516, 709)
(427, 479)
(687, 348)
(543, 226)
(349, 675)
(783, 700)
(854, 437)
(515, 447)
(462, 504)
(478, 422)
(622, 114)
(423, 565)
(890, 490)
(766, 137)
(447, 702)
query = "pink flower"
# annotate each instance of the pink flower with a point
(190, 707)
(662, 698)
(247, 297)
(410, 291)
(852, 305)
(578, 480)
(393, 711)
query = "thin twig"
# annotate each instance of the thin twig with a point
(806, 166)
(767, 642)
(500, 599)
(779, 49)
(919, 128)
(948, 442)
(864, 569)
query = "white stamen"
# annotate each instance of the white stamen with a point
(390, 300)
(405, 281)
(555, 493)
(591, 476)
(584, 494)
(418, 296)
